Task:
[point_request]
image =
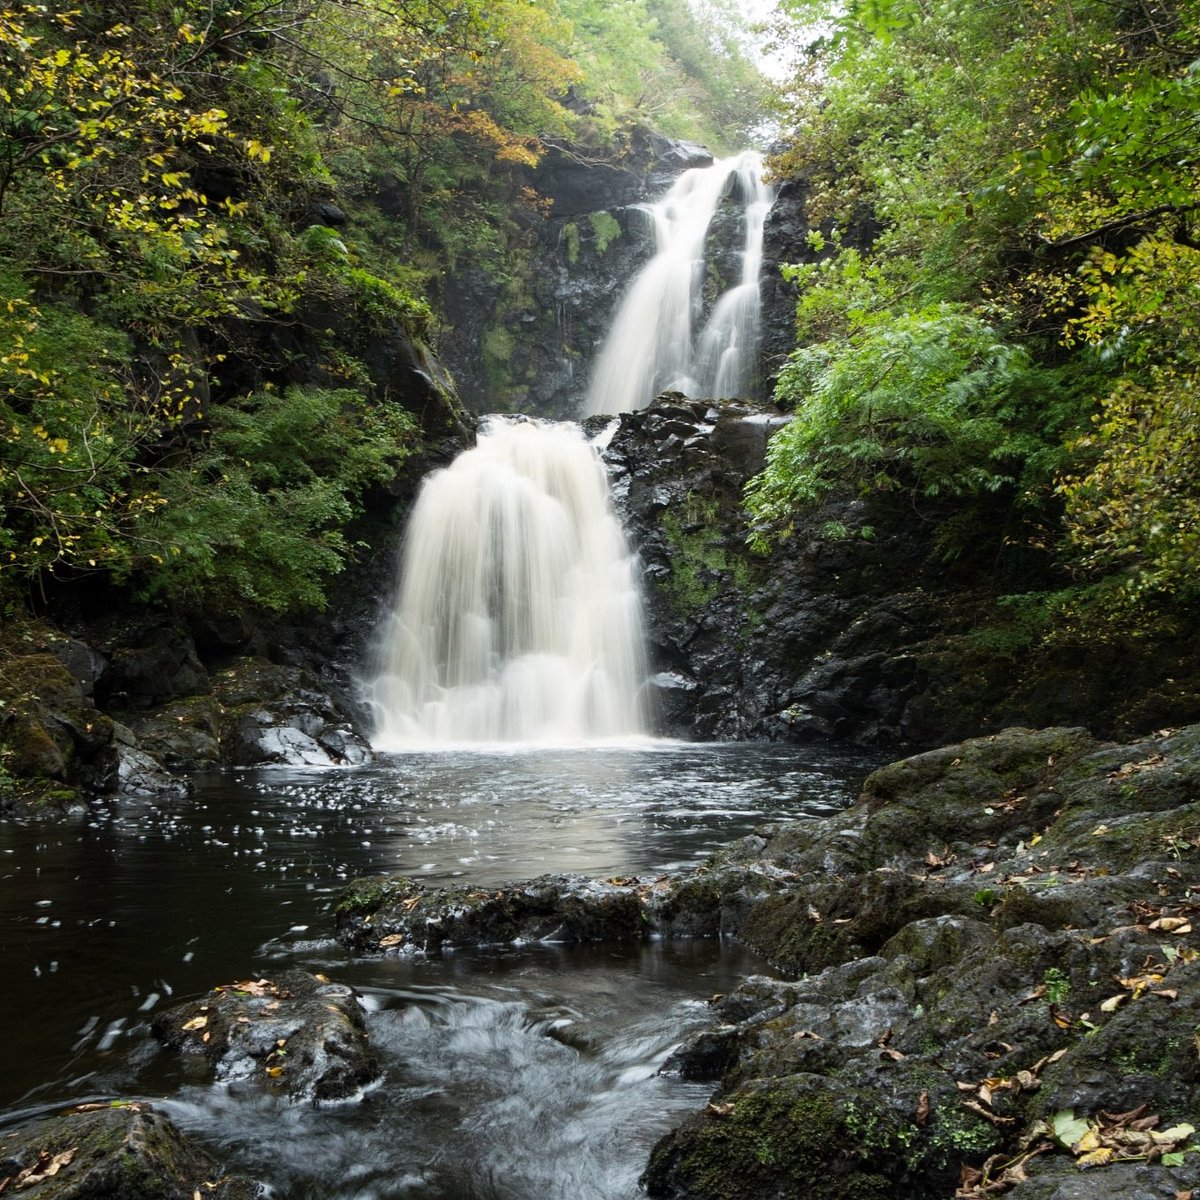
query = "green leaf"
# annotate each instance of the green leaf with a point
(1067, 1129)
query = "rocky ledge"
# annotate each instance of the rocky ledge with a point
(988, 983)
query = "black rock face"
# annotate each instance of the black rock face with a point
(856, 627)
(526, 343)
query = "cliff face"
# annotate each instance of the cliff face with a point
(857, 627)
(521, 338)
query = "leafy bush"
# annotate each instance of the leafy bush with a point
(935, 403)
(71, 431)
(259, 517)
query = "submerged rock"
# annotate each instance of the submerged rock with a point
(118, 1151)
(296, 1033)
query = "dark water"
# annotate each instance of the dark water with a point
(512, 1073)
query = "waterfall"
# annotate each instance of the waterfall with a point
(518, 617)
(652, 345)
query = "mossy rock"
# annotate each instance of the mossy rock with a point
(784, 1138)
(52, 739)
(105, 1152)
(975, 791)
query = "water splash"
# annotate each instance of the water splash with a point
(519, 617)
(653, 345)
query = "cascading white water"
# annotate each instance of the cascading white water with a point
(652, 345)
(519, 617)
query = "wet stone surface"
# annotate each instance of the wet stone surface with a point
(296, 1033)
(991, 974)
(111, 1151)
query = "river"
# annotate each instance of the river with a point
(525, 1073)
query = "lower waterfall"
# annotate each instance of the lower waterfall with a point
(518, 617)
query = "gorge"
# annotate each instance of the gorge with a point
(468, 560)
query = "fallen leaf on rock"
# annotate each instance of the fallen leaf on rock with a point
(1066, 1128)
(1114, 1002)
(1176, 925)
(1059, 1017)
(195, 1023)
(1099, 1157)
(986, 1113)
(807, 1033)
(46, 1167)
(719, 1110)
(257, 987)
(1138, 984)
(1177, 1133)
(922, 1108)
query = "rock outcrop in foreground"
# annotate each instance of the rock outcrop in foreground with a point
(106, 1151)
(990, 980)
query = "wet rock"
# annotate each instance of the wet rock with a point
(996, 933)
(394, 913)
(151, 661)
(704, 1055)
(1055, 1179)
(56, 746)
(295, 1032)
(140, 773)
(855, 627)
(117, 1151)
(184, 735)
(277, 714)
(1041, 961)
(524, 342)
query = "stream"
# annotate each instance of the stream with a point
(525, 1073)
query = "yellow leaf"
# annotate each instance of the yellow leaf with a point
(1097, 1158)
(196, 1023)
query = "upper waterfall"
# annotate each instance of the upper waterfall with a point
(656, 342)
(519, 617)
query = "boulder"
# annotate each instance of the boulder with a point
(119, 1150)
(296, 1033)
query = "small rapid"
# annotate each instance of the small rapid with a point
(508, 1073)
